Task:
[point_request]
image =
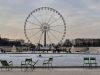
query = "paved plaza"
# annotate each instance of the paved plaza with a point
(55, 71)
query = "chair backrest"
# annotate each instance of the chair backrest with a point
(86, 59)
(28, 61)
(4, 63)
(92, 59)
(50, 59)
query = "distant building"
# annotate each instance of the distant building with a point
(87, 42)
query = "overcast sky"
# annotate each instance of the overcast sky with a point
(82, 16)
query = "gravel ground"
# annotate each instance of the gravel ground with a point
(61, 71)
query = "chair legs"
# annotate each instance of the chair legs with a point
(32, 67)
(47, 65)
(7, 68)
(86, 65)
(93, 65)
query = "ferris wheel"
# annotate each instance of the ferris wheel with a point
(45, 25)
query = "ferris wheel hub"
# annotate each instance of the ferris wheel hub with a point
(45, 27)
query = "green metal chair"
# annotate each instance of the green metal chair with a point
(28, 63)
(93, 61)
(6, 64)
(86, 61)
(48, 62)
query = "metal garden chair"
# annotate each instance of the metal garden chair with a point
(93, 61)
(48, 62)
(86, 61)
(28, 63)
(6, 64)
